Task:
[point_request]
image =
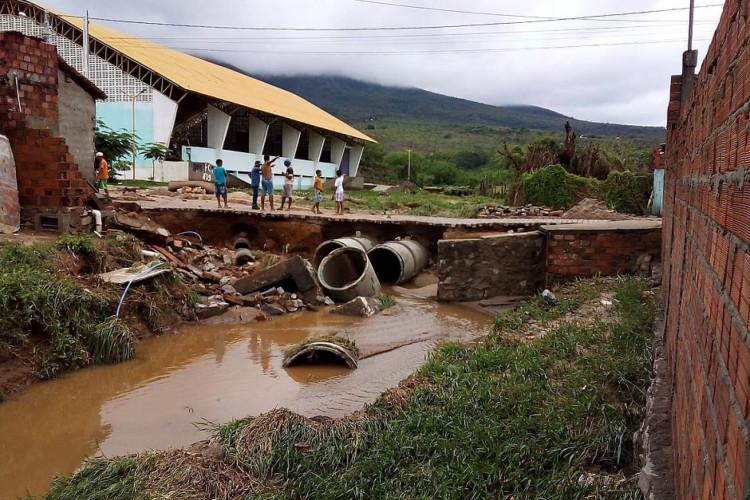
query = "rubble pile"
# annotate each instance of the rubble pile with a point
(491, 210)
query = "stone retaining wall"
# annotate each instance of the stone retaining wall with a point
(479, 268)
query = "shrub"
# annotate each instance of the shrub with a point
(628, 192)
(554, 187)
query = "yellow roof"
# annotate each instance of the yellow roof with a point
(196, 75)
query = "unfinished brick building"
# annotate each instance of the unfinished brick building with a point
(47, 111)
(706, 248)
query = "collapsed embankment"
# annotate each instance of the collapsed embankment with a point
(57, 315)
(545, 406)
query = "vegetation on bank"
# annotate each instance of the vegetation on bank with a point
(56, 315)
(553, 186)
(551, 417)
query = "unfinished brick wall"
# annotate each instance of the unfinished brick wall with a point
(707, 267)
(47, 173)
(605, 249)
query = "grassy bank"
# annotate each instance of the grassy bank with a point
(55, 314)
(544, 407)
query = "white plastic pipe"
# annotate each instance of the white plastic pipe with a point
(98, 219)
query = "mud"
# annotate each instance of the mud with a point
(215, 373)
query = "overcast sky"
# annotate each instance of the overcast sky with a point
(614, 68)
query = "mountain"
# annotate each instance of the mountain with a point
(360, 102)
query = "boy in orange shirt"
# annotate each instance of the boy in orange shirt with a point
(318, 187)
(102, 172)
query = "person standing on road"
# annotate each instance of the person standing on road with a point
(220, 182)
(338, 194)
(318, 188)
(288, 184)
(255, 182)
(266, 181)
(101, 167)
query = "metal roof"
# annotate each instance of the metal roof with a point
(202, 77)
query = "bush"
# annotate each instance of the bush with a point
(628, 192)
(553, 186)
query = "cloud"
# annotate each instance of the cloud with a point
(614, 69)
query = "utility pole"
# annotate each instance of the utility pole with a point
(408, 167)
(132, 99)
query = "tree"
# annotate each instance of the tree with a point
(115, 144)
(154, 151)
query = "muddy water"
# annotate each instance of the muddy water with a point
(216, 374)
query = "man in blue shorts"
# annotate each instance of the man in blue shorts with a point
(266, 181)
(220, 182)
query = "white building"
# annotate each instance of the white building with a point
(203, 110)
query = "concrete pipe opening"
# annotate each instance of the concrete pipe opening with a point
(346, 273)
(398, 261)
(329, 246)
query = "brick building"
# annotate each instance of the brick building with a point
(706, 282)
(47, 111)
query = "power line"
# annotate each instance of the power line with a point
(402, 28)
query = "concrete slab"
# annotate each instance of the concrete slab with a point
(137, 274)
(605, 226)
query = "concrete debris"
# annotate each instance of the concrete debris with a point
(135, 274)
(272, 310)
(295, 271)
(215, 306)
(491, 210)
(141, 225)
(359, 306)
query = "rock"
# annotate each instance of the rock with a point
(227, 288)
(311, 307)
(252, 299)
(213, 307)
(359, 306)
(234, 299)
(271, 310)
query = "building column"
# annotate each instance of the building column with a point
(258, 131)
(315, 146)
(218, 126)
(355, 155)
(289, 141)
(337, 151)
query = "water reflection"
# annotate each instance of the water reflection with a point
(214, 373)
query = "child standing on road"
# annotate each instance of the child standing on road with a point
(288, 184)
(220, 183)
(338, 195)
(318, 187)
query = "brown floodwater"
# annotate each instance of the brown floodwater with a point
(213, 374)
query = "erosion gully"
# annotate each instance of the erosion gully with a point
(204, 373)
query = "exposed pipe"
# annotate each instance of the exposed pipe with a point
(18, 94)
(98, 220)
(193, 232)
(149, 268)
(690, 25)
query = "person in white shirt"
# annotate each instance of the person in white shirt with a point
(338, 195)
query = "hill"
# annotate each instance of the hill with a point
(360, 102)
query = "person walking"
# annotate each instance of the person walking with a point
(101, 167)
(220, 182)
(266, 181)
(288, 184)
(318, 188)
(255, 182)
(338, 194)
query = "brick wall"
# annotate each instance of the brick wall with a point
(47, 173)
(607, 249)
(706, 281)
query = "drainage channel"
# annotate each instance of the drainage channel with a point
(214, 373)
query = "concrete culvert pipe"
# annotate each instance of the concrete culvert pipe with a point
(398, 261)
(329, 246)
(346, 273)
(243, 256)
(241, 243)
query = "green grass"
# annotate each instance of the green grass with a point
(504, 418)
